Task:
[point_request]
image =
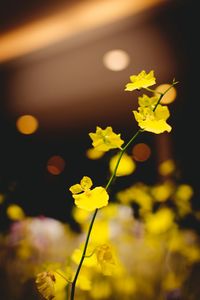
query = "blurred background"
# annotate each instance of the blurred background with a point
(63, 69)
(65, 64)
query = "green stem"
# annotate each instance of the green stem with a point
(107, 186)
(95, 213)
(83, 256)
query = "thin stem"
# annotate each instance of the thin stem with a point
(107, 186)
(83, 255)
(95, 213)
(120, 156)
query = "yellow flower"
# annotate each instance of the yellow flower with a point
(105, 139)
(126, 166)
(153, 121)
(146, 101)
(86, 198)
(160, 222)
(45, 282)
(50, 284)
(94, 154)
(106, 259)
(142, 80)
(167, 167)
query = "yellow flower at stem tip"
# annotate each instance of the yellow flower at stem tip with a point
(142, 80)
(86, 198)
(105, 139)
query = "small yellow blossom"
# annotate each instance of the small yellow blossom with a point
(15, 212)
(142, 80)
(126, 166)
(45, 282)
(106, 259)
(86, 198)
(105, 139)
(153, 121)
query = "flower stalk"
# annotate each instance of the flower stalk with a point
(113, 175)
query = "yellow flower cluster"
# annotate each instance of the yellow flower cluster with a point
(149, 119)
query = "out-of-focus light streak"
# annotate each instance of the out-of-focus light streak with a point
(66, 23)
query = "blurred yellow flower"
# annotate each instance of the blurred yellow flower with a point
(162, 192)
(45, 282)
(142, 80)
(167, 167)
(105, 139)
(92, 153)
(159, 222)
(106, 259)
(90, 259)
(86, 198)
(153, 121)
(126, 166)
(15, 212)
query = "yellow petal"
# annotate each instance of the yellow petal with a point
(76, 189)
(86, 183)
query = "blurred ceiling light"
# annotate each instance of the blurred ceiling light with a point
(66, 23)
(141, 152)
(170, 96)
(27, 124)
(116, 60)
(55, 165)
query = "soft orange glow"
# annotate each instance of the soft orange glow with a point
(141, 152)
(116, 60)
(66, 23)
(170, 96)
(55, 165)
(27, 124)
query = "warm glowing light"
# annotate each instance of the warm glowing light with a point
(27, 124)
(170, 96)
(67, 22)
(55, 165)
(141, 152)
(116, 60)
